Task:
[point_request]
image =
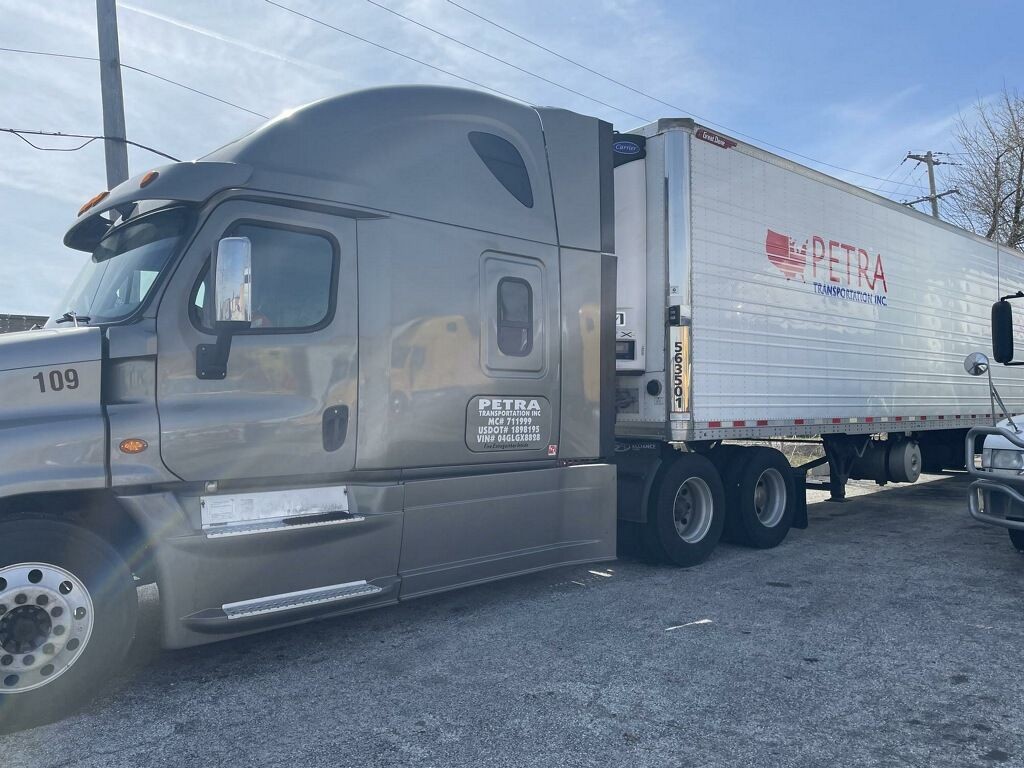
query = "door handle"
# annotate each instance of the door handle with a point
(335, 427)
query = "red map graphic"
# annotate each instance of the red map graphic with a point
(782, 252)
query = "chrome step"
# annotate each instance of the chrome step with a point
(276, 526)
(302, 599)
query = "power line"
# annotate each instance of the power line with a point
(194, 90)
(505, 61)
(397, 53)
(49, 53)
(83, 145)
(90, 139)
(645, 94)
(140, 70)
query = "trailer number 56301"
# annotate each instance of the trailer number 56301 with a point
(55, 381)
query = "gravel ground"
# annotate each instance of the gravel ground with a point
(886, 634)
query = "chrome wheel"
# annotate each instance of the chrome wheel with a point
(693, 510)
(46, 620)
(770, 497)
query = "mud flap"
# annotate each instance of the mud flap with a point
(800, 519)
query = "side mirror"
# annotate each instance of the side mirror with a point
(1002, 331)
(976, 363)
(232, 295)
(232, 270)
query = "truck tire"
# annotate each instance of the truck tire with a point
(760, 497)
(687, 512)
(67, 618)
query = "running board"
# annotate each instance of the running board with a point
(288, 524)
(303, 599)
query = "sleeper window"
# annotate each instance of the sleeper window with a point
(504, 161)
(293, 279)
(515, 317)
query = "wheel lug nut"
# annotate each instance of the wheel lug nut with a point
(57, 612)
(6, 660)
(48, 649)
(42, 600)
(21, 599)
(29, 660)
(58, 630)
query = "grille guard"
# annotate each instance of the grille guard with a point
(986, 480)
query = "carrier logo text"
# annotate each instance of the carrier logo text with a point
(837, 269)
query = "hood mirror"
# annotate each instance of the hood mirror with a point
(976, 363)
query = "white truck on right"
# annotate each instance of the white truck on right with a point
(996, 495)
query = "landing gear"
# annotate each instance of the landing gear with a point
(895, 460)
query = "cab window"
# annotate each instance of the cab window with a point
(293, 280)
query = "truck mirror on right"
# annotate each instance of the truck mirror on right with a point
(1002, 331)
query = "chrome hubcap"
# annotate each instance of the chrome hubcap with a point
(46, 620)
(693, 510)
(770, 498)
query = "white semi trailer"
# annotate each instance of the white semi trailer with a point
(373, 351)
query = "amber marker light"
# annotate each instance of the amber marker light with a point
(133, 445)
(92, 201)
(148, 179)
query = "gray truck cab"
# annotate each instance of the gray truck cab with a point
(363, 354)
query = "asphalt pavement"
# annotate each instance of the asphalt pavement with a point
(889, 633)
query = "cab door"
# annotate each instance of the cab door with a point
(287, 404)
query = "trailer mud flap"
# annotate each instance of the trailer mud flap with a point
(800, 518)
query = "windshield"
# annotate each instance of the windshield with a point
(123, 268)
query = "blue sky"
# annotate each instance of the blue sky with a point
(856, 85)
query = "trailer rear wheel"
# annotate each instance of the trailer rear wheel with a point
(67, 617)
(687, 512)
(760, 497)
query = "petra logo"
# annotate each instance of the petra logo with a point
(783, 254)
(837, 268)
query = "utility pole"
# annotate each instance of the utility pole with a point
(929, 159)
(113, 97)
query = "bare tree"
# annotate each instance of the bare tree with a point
(990, 170)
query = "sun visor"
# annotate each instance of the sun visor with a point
(182, 182)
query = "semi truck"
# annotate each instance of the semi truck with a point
(411, 339)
